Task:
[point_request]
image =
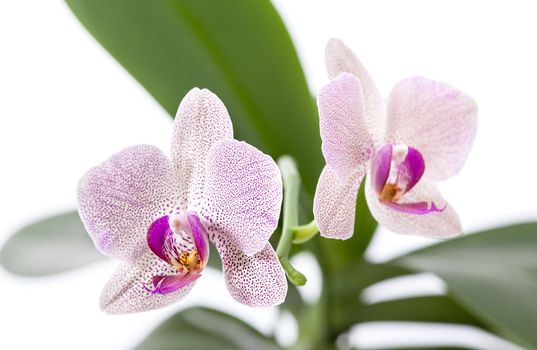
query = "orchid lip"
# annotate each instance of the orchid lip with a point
(170, 283)
(180, 240)
(395, 170)
(418, 208)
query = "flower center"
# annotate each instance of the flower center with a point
(395, 170)
(190, 260)
(180, 240)
(390, 193)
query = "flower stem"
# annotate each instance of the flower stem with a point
(303, 233)
(291, 189)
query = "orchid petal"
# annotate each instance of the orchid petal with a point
(201, 120)
(441, 224)
(166, 284)
(243, 194)
(257, 280)
(436, 119)
(119, 199)
(339, 58)
(346, 140)
(128, 290)
(380, 167)
(335, 203)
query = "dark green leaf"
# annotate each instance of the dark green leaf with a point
(201, 328)
(418, 309)
(343, 288)
(493, 274)
(51, 245)
(239, 49)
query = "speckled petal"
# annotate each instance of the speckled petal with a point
(119, 199)
(257, 280)
(243, 194)
(201, 120)
(438, 120)
(339, 58)
(442, 224)
(129, 288)
(346, 140)
(335, 203)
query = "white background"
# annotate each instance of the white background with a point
(66, 105)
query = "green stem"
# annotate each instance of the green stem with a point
(291, 190)
(303, 233)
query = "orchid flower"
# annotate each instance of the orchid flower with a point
(158, 215)
(423, 135)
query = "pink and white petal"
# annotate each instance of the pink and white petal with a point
(436, 119)
(339, 58)
(443, 224)
(334, 204)
(347, 143)
(129, 288)
(257, 280)
(243, 194)
(201, 120)
(119, 199)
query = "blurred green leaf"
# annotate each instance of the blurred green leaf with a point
(293, 301)
(214, 259)
(238, 49)
(436, 308)
(425, 348)
(48, 246)
(202, 328)
(493, 274)
(343, 288)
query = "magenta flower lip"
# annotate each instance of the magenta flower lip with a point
(391, 183)
(182, 242)
(157, 214)
(422, 135)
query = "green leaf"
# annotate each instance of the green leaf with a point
(202, 328)
(293, 301)
(238, 49)
(346, 308)
(425, 348)
(493, 274)
(343, 288)
(436, 308)
(48, 246)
